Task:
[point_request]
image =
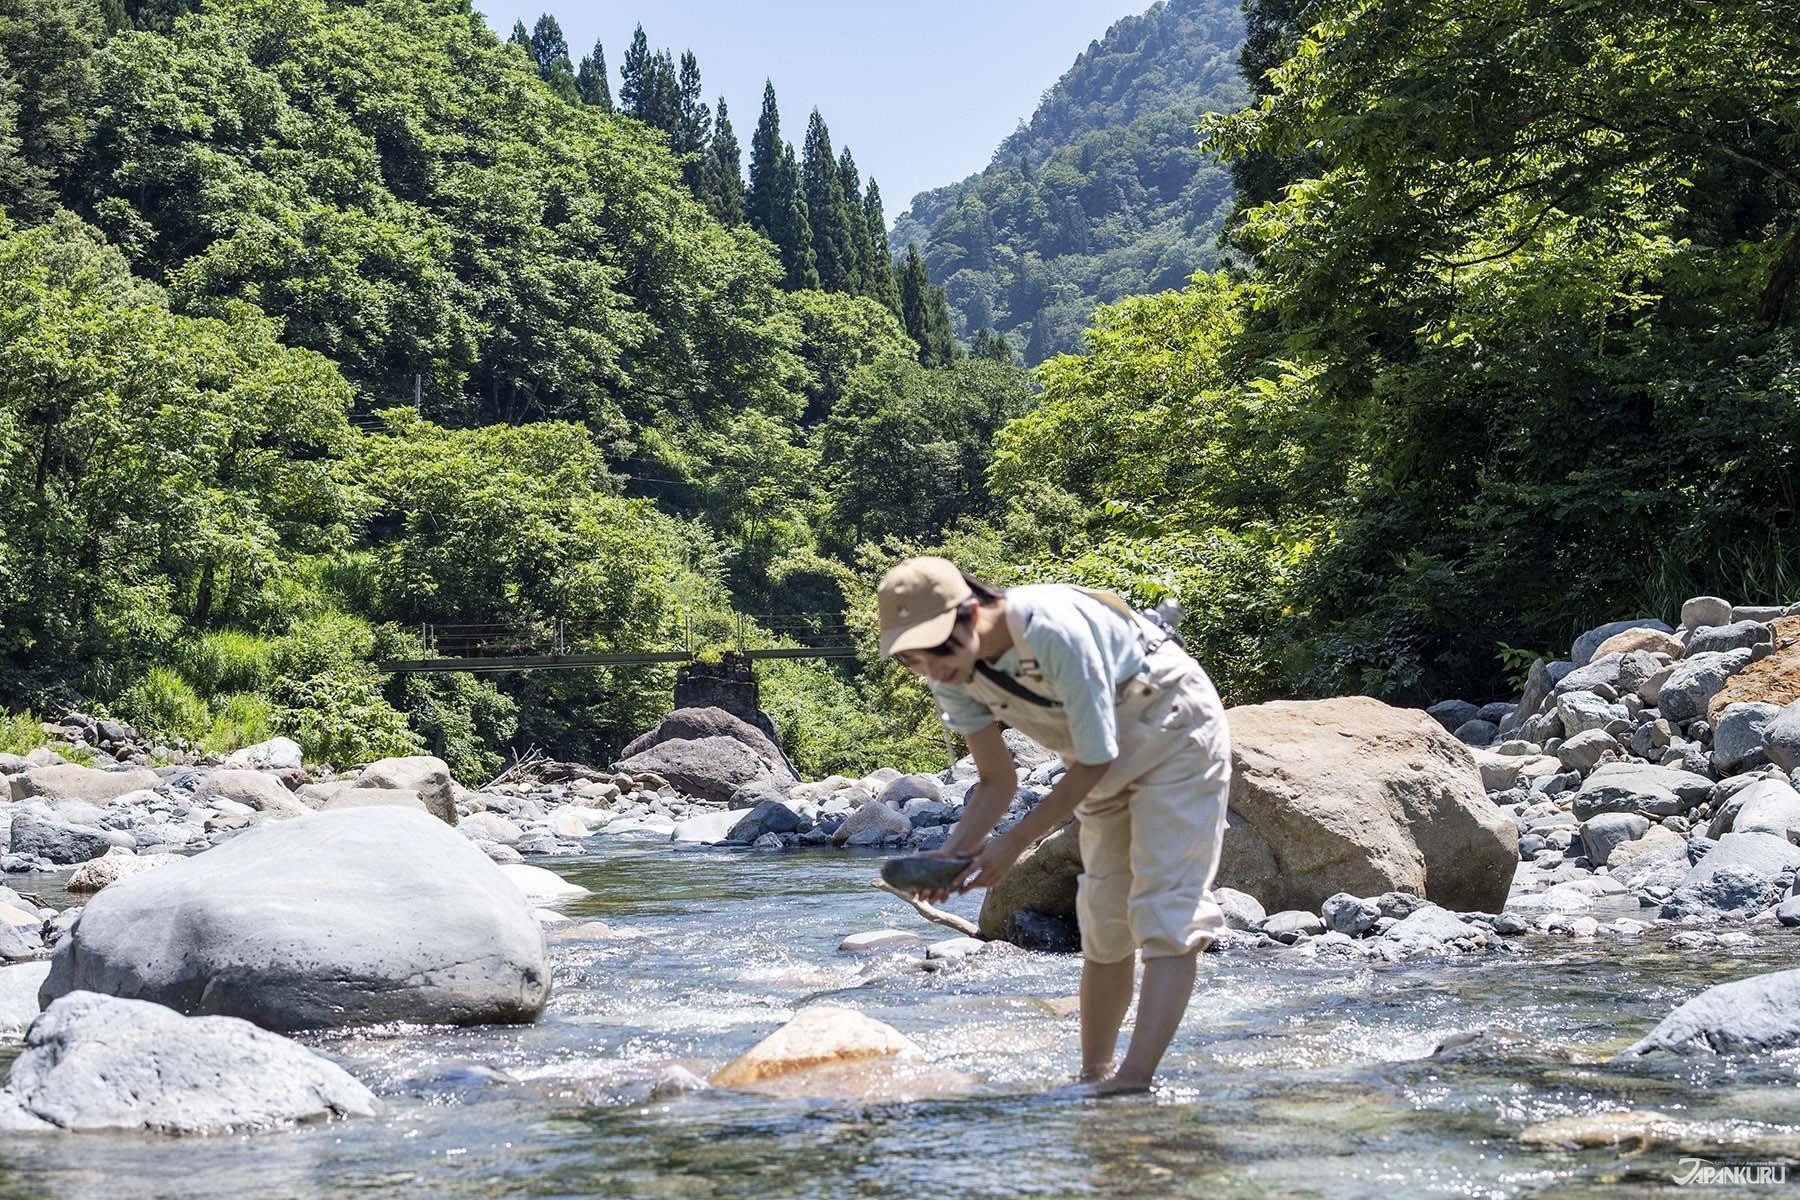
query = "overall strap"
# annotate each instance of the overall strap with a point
(1015, 625)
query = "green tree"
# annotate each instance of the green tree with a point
(792, 233)
(766, 201)
(834, 250)
(550, 50)
(725, 171)
(591, 82)
(693, 129)
(882, 281)
(923, 308)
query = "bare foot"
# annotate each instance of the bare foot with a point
(1100, 1089)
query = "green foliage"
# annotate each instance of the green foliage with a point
(338, 716)
(21, 732)
(1542, 263)
(239, 719)
(222, 661)
(1105, 192)
(165, 705)
(905, 453)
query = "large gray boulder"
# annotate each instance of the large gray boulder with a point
(98, 1062)
(1603, 671)
(1706, 610)
(420, 773)
(1759, 1013)
(276, 754)
(1781, 738)
(1587, 643)
(259, 790)
(1352, 795)
(336, 918)
(709, 768)
(68, 781)
(1685, 693)
(1743, 874)
(1640, 787)
(1043, 881)
(692, 724)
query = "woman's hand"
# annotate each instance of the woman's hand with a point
(993, 862)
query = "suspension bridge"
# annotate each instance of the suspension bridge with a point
(563, 645)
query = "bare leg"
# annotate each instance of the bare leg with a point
(1105, 995)
(1168, 984)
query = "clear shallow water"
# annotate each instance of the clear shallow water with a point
(1290, 1077)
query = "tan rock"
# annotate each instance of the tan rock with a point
(68, 781)
(821, 1036)
(1043, 880)
(1772, 680)
(362, 797)
(1655, 838)
(1653, 640)
(1499, 772)
(426, 777)
(108, 869)
(262, 792)
(1353, 795)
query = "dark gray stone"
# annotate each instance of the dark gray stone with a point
(1453, 714)
(57, 841)
(1477, 733)
(769, 816)
(1739, 635)
(1495, 712)
(1291, 925)
(919, 873)
(1031, 930)
(1350, 915)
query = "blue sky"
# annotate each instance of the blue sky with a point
(921, 92)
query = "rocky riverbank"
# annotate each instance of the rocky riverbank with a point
(1645, 787)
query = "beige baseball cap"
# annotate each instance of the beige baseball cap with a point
(918, 601)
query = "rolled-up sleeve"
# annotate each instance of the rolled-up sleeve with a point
(962, 712)
(1075, 667)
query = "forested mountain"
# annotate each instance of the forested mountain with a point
(1104, 193)
(320, 321)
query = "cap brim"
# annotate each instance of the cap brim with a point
(934, 631)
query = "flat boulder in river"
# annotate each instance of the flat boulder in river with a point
(337, 918)
(1353, 795)
(1759, 1013)
(97, 1062)
(821, 1037)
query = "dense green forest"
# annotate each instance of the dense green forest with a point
(1104, 193)
(1505, 345)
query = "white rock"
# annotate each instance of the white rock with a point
(276, 754)
(878, 939)
(539, 884)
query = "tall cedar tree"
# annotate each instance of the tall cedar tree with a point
(521, 36)
(850, 183)
(725, 171)
(591, 82)
(693, 129)
(763, 202)
(925, 312)
(881, 283)
(834, 254)
(550, 50)
(793, 227)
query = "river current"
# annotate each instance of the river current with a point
(1292, 1076)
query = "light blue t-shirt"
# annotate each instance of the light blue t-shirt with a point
(1084, 650)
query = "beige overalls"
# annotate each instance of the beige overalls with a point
(1152, 828)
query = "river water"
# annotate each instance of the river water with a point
(1290, 1077)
